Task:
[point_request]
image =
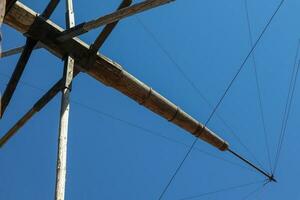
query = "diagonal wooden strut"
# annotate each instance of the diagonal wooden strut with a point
(94, 47)
(17, 50)
(110, 18)
(58, 86)
(107, 30)
(21, 64)
(40, 104)
(9, 5)
(13, 82)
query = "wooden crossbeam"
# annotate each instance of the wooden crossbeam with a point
(108, 72)
(12, 52)
(41, 103)
(15, 78)
(107, 30)
(58, 86)
(50, 8)
(21, 64)
(110, 18)
(9, 5)
(17, 50)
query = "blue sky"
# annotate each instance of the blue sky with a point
(118, 149)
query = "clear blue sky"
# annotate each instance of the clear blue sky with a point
(110, 159)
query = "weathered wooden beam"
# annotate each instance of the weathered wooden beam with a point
(48, 96)
(110, 18)
(17, 50)
(41, 103)
(21, 64)
(50, 8)
(61, 165)
(15, 78)
(9, 4)
(107, 30)
(12, 52)
(108, 72)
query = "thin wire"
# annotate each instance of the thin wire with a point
(257, 190)
(195, 88)
(287, 103)
(222, 97)
(222, 190)
(283, 133)
(22, 82)
(154, 133)
(158, 135)
(259, 94)
(241, 142)
(178, 168)
(288, 113)
(258, 195)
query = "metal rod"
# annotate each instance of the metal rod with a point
(110, 18)
(270, 177)
(61, 168)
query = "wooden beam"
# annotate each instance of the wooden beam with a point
(50, 8)
(9, 5)
(40, 104)
(110, 18)
(61, 166)
(17, 50)
(21, 64)
(48, 96)
(108, 72)
(107, 30)
(15, 78)
(12, 52)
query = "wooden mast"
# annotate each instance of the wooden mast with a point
(61, 166)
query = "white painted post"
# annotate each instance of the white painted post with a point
(64, 115)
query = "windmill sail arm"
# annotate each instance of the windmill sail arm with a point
(106, 71)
